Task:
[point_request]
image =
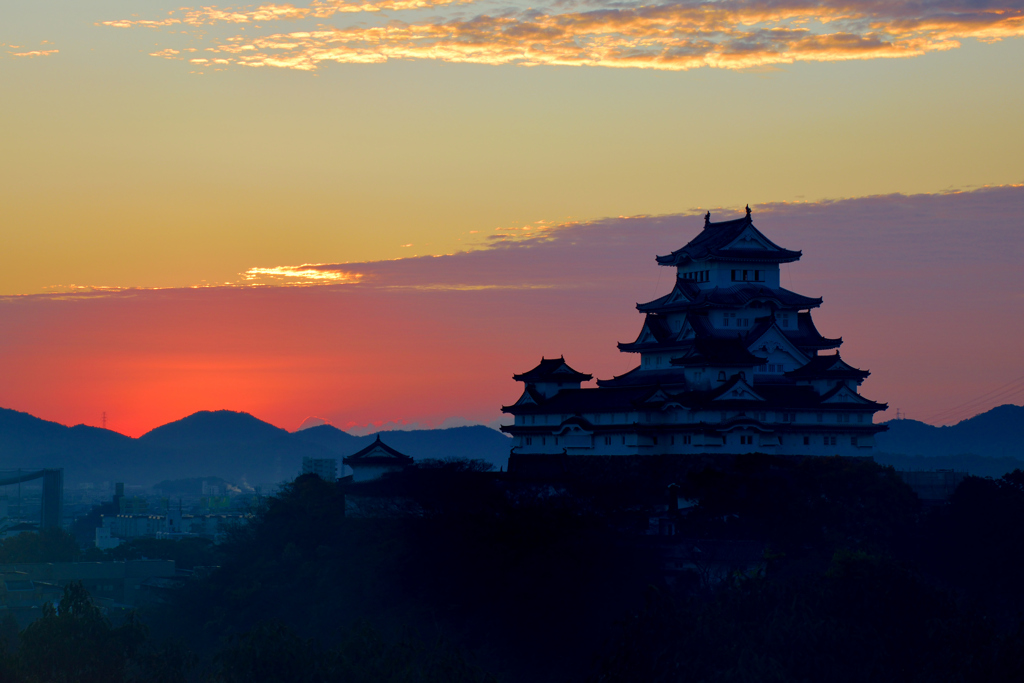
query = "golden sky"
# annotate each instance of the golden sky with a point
(340, 132)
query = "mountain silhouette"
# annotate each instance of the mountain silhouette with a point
(243, 449)
(235, 446)
(998, 433)
(214, 426)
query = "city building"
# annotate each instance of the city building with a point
(375, 460)
(729, 362)
(115, 529)
(325, 468)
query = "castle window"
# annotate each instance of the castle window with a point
(607, 441)
(860, 417)
(687, 439)
(807, 441)
(853, 441)
(721, 376)
(543, 441)
(529, 441)
(830, 441)
(672, 440)
(655, 440)
(623, 441)
(533, 419)
(556, 440)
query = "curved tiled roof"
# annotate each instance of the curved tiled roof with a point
(382, 454)
(552, 370)
(831, 367)
(739, 295)
(712, 241)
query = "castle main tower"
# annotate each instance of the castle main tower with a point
(730, 362)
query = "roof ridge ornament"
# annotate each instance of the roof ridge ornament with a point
(748, 211)
(707, 219)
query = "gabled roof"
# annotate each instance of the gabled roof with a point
(530, 397)
(736, 389)
(724, 241)
(736, 296)
(831, 367)
(377, 453)
(552, 370)
(656, 333)
(841, 394)
(767, 337)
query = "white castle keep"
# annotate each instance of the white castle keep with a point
(730, 362)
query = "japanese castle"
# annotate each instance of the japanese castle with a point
(730, 362)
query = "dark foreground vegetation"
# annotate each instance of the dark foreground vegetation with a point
(448, 572)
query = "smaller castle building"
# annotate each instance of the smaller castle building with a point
(375, 460)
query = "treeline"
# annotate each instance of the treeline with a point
(448, 572)
(75, 643)
(56, 545)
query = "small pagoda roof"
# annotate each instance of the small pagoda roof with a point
(378, 453)
(831, 367)
(552, 370)
(735, 240)
(718, 352)
(688, 295)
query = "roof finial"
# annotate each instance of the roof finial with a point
(748, 210)
(707, 218)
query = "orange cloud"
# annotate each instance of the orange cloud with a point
(671, 36)
(309, 273)
(319, 9)
(34, 53)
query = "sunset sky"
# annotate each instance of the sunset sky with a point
(377, 212)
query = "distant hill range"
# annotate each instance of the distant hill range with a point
(989, 444)
(234, 446)
(999, 433)
(245, 450)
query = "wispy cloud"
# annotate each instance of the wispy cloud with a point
(732, 34)
(321, 9)
(308, 273)
(22, 51)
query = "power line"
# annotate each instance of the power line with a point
(1004, 391)
(971, 412)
